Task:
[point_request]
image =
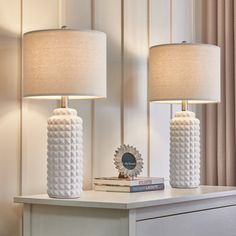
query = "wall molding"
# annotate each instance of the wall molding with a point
(123, 117)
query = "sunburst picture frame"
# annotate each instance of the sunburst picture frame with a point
(128, 161)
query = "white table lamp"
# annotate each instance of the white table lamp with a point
(184, 73)
(64, 64)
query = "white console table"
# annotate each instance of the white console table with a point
(204, 211)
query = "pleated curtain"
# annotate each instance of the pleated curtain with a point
(219, 28)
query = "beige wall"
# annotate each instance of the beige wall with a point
(10, 57)
(125, 116)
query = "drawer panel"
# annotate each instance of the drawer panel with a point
(217, 222)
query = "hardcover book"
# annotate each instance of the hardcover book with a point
(129, 189)
(115, 181)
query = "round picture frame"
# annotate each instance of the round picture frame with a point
(128, 161)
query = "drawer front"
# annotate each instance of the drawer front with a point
(48, 220)
(217, 222)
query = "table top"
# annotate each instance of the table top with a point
(96, 199)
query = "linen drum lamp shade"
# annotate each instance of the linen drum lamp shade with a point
(184, 73)
(64, 62)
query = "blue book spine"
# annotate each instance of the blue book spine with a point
(144, 188)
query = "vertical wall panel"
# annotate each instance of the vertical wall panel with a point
(182, 30)
(198, 38)
(160, 31)
(41, 14)
(10, 70)
(135, 76)
(170, 22)
(182, 17)
(197, 21)
(78, 15)
(159, 17)
(107, 112)
(124, 116)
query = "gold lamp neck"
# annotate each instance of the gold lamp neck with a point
(184, 105)
(64, 102)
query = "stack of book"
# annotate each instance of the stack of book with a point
(142, 184)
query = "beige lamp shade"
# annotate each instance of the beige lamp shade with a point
(64, 63)
(189, 72)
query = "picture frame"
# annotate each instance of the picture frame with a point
(128, 161)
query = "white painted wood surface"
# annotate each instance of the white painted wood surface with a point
(107, 129)
(61, 221)
(217, 222)
(160, 114)
(198, 38)
(135, 76)
(113, 200)
(27, 219)
(207, 210)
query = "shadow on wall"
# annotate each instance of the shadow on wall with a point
(10, 74)
(10, 68)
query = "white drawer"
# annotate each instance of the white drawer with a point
(214, 222)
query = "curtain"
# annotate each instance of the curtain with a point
(219, 27)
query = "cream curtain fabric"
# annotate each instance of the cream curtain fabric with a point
(219, 27)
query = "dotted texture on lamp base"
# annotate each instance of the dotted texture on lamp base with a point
(65, 154)
(184, 150)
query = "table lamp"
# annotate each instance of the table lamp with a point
(64, 64)
(184, 73)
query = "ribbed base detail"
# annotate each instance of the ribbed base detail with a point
(185, 150)
(65, 154)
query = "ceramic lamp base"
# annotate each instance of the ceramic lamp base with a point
(65, 154)
(185, 150)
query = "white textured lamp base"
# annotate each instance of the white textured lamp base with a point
(65, 154)
(185, 150)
